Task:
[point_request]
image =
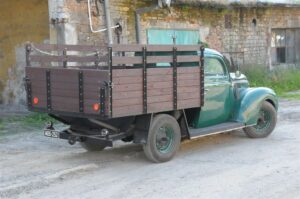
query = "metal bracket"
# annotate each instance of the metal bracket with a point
(28, 50)
(145, 80)
(81, 92)
(65, 57)
(48, 85)
(202, 91)
(29, 91)
(110, 80)
(102, 101)
(174, 78)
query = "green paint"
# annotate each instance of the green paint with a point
(218, 98)
(164, 139)
(229, 98)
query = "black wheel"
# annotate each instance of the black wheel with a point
(163, 139)
(265, 124)
(92, 145)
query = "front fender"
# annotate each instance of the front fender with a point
(249, 104)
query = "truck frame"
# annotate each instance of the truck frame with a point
(148, 94)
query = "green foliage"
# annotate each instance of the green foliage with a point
(280, 79)
(36, 119)
(291, 96)
(33, 120)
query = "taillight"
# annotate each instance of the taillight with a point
(35, 100)
(96, 107)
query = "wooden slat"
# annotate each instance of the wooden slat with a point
(185, 59)
(122, 102)
(159, 78)
(161, 91)
(61, 47)
(153, 59)
(128, 80)
(160, 106)
(126, 60)
(69, 58)
(189, 103)
(127, 95)
(128, 87)
(153, 48)
(188, 89)
(188, 83)
(160, 98)
(159, 85)
(159, 59)
(183, 76)
(185, 96)
(188, 70)
(74, 108)
(128, 110)
(127, 47)
(127, 72)
(160, 71)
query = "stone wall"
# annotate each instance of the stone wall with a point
(243, 32)
(20, 21)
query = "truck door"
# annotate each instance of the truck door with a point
(217, 101)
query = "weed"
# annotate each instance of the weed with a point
(280, 80)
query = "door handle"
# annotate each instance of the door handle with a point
(206, 90)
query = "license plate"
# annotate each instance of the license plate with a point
(51, 133)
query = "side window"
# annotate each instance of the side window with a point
(213, 67)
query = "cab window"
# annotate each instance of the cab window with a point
(213, 67)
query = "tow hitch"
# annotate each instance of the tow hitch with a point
(72, 136)
(49, 131)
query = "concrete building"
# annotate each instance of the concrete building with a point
(264, 32)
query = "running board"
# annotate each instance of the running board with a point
(220, 128)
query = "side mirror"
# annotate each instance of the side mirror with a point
(236, 67)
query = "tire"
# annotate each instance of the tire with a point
(265, 123)
(163, 139)
(92, 145)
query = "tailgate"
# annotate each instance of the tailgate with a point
(58, 90)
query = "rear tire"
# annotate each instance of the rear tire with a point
(92, 145)
(163, 139)
(265, 123)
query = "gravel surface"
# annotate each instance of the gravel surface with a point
(222, 166)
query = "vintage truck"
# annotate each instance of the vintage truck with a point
(153, 95)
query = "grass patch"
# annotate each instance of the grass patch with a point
(280, 80)
(291, 96)
(33, 120)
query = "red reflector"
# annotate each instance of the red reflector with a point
(96, 107)
(35, 100)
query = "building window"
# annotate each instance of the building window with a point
(285, 44)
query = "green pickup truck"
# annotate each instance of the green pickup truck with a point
(153, 95)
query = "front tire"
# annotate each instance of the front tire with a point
(265, 124)
(163, 139)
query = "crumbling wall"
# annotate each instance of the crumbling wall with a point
(20, 21)
(242, 32)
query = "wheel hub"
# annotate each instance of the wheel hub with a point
(164, 139)
(264, 120)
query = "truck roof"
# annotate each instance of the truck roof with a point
(209, 51)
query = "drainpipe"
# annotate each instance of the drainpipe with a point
(138, 14)
(108, 21)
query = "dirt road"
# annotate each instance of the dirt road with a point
(223, 166)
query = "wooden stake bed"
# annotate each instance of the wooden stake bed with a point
(129, 80)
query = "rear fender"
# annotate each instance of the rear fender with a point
(250, 102)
